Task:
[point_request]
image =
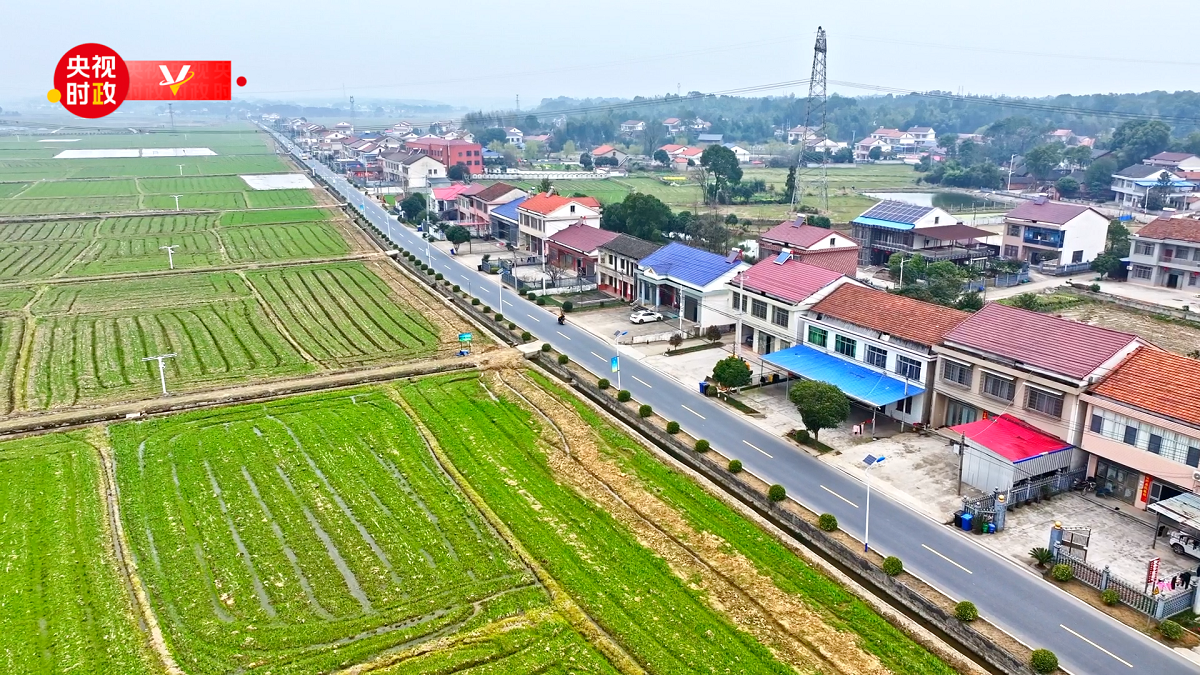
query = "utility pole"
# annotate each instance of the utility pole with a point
(170, 254)
(171, 112)
(518, 103)
(162, 369)
(176, 201)
(814, 111)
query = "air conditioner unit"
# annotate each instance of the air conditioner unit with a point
(1196, 475)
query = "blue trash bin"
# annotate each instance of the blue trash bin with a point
(966, 522)
(703, 387)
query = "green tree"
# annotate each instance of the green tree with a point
(843, 156)
(731, 372)
(413, 207)
(1067, 187)
(969, 302)
(1136, 140)
(458, 172)
(914, 268)
(530, 125)
(821, 405)
(875, 153)
(486, 137)
(640, 215)
(545, 186)
(662, 157)
(1079, 156)
(585, 160)
(789, 186)
(1042, 159)
(1106, 264)
(1159, 195)
(1098, 177)
(1118, 238)
(569, 149)
(533, 150)
(722, 165)
(949, 142)
(458, 235)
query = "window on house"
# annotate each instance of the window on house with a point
(1193, 457)
(737, 300)
(779, 316)
(876, 356)
(572, 208)
(1155, 444)
(1011, 251)
(1014, 230)
(1097, 424)
(998, 387)
(908, 368)
(1140, 272)
(1191, 280)
(1130, 435)
(958, 373)
(936, 219)
(904, 406)
(833, 241)
(1196, 254)
(758, 309)
(1077, 256)
(844, 345)
(1143, 248)
(1043, 401)
(818, 336)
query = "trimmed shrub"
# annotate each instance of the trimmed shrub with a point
(603, 383)
(776, 493)
(512, 326)
(711, 390)
(892, 566)
(474, 301)
(499, 317)
(624, 395)
(562, 359)
(735, 466)
(802, 435)
(1062, 572)
(1095, 288)
(966, 611)
(1043, 661)
(672, 427)
(546, 346)
(487, 309)
(702, 445)
(1042, 555)
(541, 302)
(644, 410)
(438, 277)
(568, 306)
(455, 288)
(1110, 597)
(526, 336)
(827, 522)
(1170, 629)
(531, 295)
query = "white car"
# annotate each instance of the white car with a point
(1184, 544)
(644, 315)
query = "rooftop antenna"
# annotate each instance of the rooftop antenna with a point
(814, 111)
(162, 369)
(170, 254)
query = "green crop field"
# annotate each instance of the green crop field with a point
(232, 218)
(70, 205)
(282, 242)
(144, 254)
(190, 184)
(306, 535)
(82, 188)
(199, 200)
(143, 167)
(37, 260)
(46, 230)
(131, 225)
(63, 607)
(265, 199)
(9, 189)
(342, 314)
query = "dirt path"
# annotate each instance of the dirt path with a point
(797, 633)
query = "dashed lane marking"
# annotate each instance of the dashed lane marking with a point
(1095, 645)
(563, 334)
(839, 496)
(946, 559)
(757, 448)
(642, 381)
(693, 412)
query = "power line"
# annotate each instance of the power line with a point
(1055, 55)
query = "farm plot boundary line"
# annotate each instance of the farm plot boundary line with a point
(780, 633)
(560, 599)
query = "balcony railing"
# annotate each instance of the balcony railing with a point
(952, 252)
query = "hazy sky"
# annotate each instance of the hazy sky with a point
(485, 52)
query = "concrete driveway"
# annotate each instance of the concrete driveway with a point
(605, 322)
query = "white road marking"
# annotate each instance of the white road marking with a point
(642, 381)
(839, 496)
(598, 356)
(508, 303)
(946, 559)
(757, 448)
(693, 412)
(568, 337)
(533, 317)
(1095, 645)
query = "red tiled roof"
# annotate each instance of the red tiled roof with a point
(495, 191)
(1179, 229)
(793, 281)
(602, 149)
(1057, 213)
(1156, 381)
(1010, 438)
(1171, 156)
(800, 236)
(546, 204)
(671, 147)
(913, 320)
(582, 238)
(1040, 340)
(691, 152)
(671, 120)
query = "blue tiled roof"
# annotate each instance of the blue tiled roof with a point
(687, 264)
(856, 381)
(509, 211)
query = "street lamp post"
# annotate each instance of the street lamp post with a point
(901, 284)
(617, 358)
(870, 461)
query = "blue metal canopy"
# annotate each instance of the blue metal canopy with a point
(858, 382)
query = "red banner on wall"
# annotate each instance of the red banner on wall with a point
(1145, 488)
(179, 80)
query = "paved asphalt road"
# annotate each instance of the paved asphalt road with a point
(1086, 641)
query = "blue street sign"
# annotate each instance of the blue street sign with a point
(464, 337)
(615, 363)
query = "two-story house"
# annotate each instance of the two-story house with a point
(680, 281)
(617, 263)
(632, 126)
(1177, 161)
(923, 137)
(475, 206)
(672, 125)
(803, 134)
(769, 300)
(576, 248)
(885, 343)
(411, 170)
(542, 215)
(609, 152)
(1166, 252)
(450, 152)
(1030, 365)
(1143, 431)
(811, 245)
(1133, 185)
(514, 136)
(1041, 230)
(892, 226)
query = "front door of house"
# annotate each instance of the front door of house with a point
(958, 413)
(691, 308)
(1172, 281)
(1121, 481)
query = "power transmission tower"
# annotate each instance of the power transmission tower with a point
(815, 111)
(171, 112)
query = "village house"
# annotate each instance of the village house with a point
(1143, 428)
(451, 152)
(768, 301)
(411, 170)
(1176, 161)
(543, 215)
(475, 206)
(1041, 230)
(576, 248)
(742, 154)
(899, 227)
(609, 151)
(1166, 252)
(1133, 186)
(617, 264)
(681, 281)
(672, 125)
(810, 245)
(514, 136)
(632, 126)
(1034, 366)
